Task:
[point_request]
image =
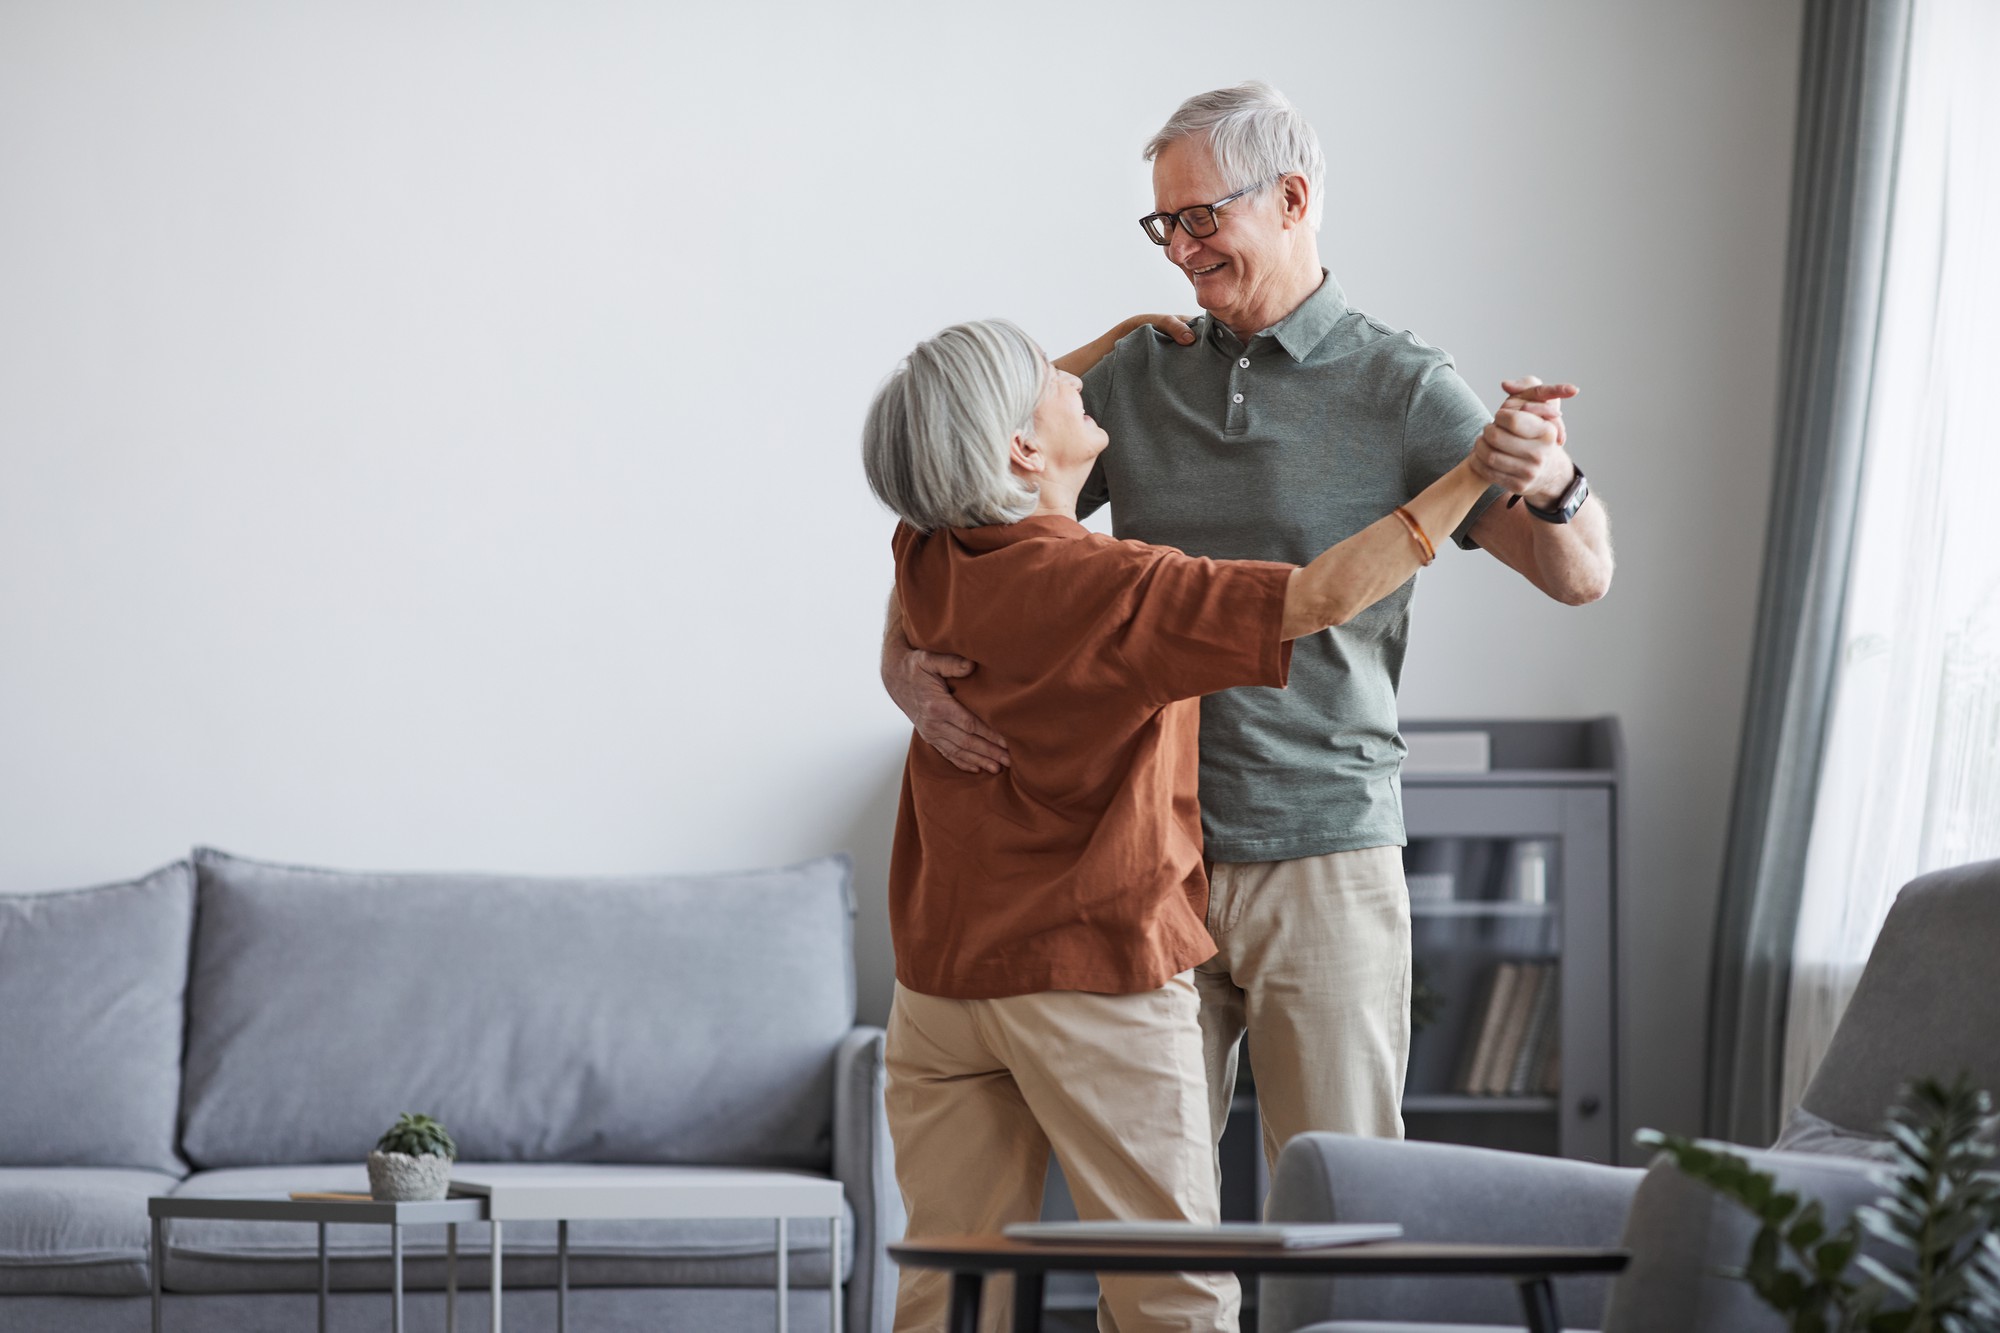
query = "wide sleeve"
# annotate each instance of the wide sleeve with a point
(1191, 626)
(1441, 420)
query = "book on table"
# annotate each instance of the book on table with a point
(1194, 1235)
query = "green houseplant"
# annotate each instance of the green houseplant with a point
(412, 1161)
(1940, 1215)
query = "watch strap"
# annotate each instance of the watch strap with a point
(1565, 508)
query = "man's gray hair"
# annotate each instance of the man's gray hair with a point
(936, 441)
(1256, 135)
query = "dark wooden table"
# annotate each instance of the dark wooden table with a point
(970, 1258)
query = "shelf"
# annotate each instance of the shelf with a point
(1454, 1102)
(1493, 907)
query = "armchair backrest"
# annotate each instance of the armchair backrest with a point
(1927, 1005)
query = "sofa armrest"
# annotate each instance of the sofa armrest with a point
(1683, 1235)
(864, 1165)
(1440, 1192)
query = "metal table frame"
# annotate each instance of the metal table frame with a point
(395, 1216)
(970, 1258)
(704, 1193)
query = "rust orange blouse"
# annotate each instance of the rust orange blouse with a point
(1078, 868)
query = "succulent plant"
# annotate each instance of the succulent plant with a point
(418, 1136)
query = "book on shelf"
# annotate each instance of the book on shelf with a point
(1513, 1030)
(1510, 1047)
(1468, 1044)
(1543, 1026)
(1506, 978)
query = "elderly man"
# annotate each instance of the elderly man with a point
(1281, 422)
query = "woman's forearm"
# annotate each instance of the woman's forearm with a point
(1352, 576)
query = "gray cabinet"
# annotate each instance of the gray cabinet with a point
(1513, 864)
(1517, 865)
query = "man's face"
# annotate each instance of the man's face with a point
(1234, 271)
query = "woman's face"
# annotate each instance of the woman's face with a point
(1063, 430)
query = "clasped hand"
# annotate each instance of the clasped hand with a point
(1522, 449)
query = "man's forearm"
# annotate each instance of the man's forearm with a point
(1574, 559)
(895, 640)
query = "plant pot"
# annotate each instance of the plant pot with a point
(397, 1177)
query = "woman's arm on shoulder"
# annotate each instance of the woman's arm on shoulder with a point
(1094, 351)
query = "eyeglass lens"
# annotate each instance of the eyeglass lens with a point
(1199, 221)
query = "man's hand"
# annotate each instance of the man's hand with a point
(916, 680)
(1521, 449)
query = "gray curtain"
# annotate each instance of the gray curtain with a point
(1843, 175)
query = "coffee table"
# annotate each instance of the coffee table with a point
(970, 1258)
(705, 1193)
(278, 1208)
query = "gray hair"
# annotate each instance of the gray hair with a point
(1256, 135)
(935, 444)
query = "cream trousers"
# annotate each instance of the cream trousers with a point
(1313, 961)
(980, 1091)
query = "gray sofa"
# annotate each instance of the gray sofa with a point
(228, 1026)
(1925, 1006)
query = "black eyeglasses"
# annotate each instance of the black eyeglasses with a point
(1199, 220)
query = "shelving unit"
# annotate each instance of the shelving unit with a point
(1554, 784)
(1550, 798)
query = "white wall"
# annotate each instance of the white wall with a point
(428, 430)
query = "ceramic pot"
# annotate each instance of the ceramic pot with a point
(397, 1177)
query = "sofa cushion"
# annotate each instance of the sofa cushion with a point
(76, 1230)
(210, 1255)
(92, 987)
(690, 1019)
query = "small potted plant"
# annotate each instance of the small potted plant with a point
(412, 1161)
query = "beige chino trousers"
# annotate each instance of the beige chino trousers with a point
(980, 1091)
(1313, 961)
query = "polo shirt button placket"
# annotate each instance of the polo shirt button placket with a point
(1236, 418)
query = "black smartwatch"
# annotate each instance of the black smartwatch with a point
(1566, 506)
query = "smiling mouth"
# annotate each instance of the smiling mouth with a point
(1204, 272)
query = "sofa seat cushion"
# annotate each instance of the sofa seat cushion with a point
(76, 1230)
(688, 1019)
(209, 1255)
(93, 985)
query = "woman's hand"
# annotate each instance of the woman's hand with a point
(1176, 327)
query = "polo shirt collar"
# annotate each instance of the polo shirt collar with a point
(1306, 327)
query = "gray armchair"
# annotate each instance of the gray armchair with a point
(1924, 1006)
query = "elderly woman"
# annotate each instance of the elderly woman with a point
(1046, 917)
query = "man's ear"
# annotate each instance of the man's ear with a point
(1026, 456)
(1295, 198)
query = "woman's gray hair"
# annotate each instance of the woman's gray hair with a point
(936, 441)
(1256, 135)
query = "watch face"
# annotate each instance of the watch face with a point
(1573, 498)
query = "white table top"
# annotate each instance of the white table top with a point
(540, 1193)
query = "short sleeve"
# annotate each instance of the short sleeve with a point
(1444, 416)
(1096, 401)
(1192, 626)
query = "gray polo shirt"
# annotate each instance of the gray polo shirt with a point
(1275, 450)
